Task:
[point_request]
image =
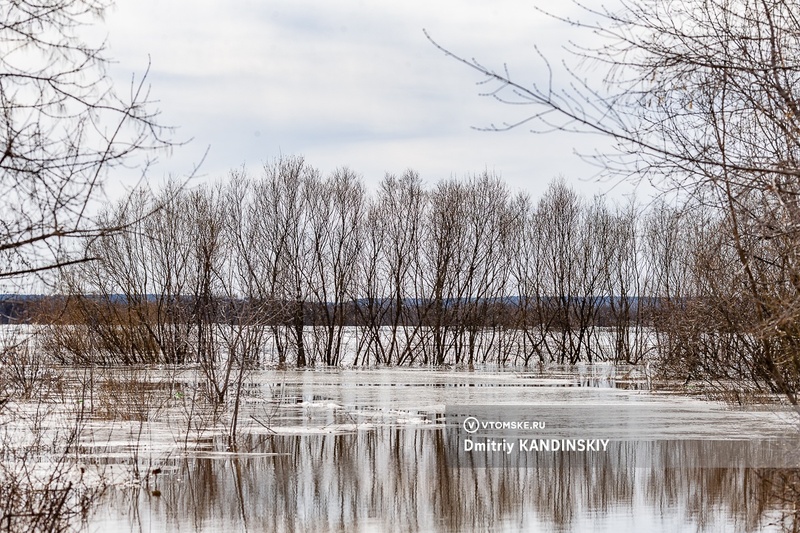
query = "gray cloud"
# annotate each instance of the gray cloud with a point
(343, 83)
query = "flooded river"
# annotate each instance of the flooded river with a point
(368, 450)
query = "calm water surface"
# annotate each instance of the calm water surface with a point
(366, 450)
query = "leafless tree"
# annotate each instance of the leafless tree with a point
(63, 129)
(462, 274)
(130, 298)
(296, 181)
(484, 276)
(626, 279)
(443, 256)
(525, 279)
(393, 238)
(559, 219)
(265, 251)
(701, 98)
(335, 210)
(372, 306)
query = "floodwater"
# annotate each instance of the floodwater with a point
(367, 450)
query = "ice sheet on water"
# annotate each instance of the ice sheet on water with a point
(304, 402)
(395, 413)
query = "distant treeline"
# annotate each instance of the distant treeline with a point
(501, 312)
(459, 271)
(24, 308)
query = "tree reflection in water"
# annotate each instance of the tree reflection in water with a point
(402, 479)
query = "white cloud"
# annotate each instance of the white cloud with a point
(345, 83)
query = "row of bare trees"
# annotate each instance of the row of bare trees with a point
(297, 268)
(699, 98)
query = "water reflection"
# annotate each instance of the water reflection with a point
(405, 479)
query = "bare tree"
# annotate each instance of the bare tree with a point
(701, 97)
(372, 307)
(403, 203)
(266, 251)
(335, 209)
(63, 128)
(626, 280)
(296, 180)
(559, 218)
(525, 278)
(130, 299)
(443, 255)
(484, 278)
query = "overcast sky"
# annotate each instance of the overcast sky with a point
(345, 83)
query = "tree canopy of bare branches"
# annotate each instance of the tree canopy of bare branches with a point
(701, 98)
(63, 130)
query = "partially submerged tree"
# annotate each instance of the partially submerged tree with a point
(702, 98)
